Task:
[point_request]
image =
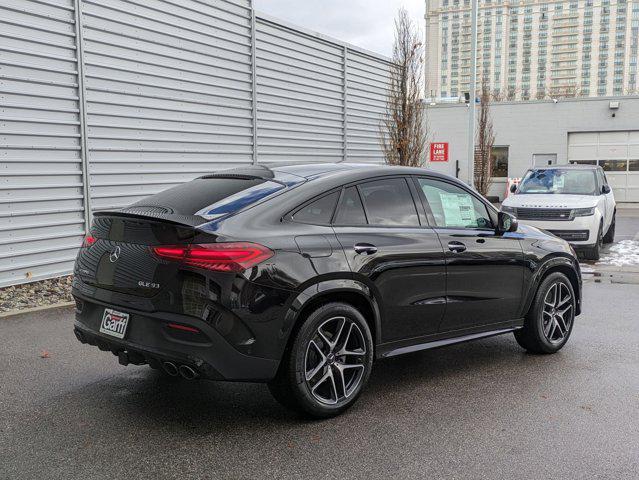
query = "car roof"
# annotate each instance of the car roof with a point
(571, 166)
(321, 170)
(318, 170)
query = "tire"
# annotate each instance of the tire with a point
(543, 331)
(609, 237)
(594, 253)
(304, 381)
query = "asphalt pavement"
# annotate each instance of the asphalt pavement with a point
(477, 410)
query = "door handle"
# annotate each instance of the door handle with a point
(456, 247)
(365, 248)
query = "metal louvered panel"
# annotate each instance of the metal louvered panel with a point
(146, 94)
(41, 194)
(299, 92)
(367, 84)
(169, 98)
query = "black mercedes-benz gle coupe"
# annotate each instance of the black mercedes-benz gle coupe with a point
(302, 276)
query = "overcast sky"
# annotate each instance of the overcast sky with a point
(365, 23)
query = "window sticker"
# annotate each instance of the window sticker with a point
(558, 181)
(458, 209)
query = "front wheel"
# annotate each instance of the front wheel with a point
(328, 364)
(549, 321)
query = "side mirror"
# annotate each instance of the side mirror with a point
(513, 188)
(506, 223)
(605, 189)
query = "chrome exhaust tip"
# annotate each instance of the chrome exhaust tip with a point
(187, 372)
(170, 368)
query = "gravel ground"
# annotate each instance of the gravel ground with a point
(36, 294)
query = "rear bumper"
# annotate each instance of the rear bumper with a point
(148, 340)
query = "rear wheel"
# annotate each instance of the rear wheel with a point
(328, 364)
(549, 322)
(610, 234)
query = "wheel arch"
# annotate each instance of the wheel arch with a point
(562, 265)
(348, 291)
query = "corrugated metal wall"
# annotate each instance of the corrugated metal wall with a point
(168, 93)
(300, 96)
(165, 91)
(41, 189)
(366, 99)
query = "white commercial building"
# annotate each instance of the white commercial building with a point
(603, 131)
(534, 49)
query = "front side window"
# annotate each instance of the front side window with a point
(559, 181)
(454, 207)
(389, 202)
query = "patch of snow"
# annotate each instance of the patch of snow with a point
(623, 253)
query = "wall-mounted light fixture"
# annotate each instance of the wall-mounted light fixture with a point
(614, 106)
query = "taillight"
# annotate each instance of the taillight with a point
(88, 241)
(221, 257)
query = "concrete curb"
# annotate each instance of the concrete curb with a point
(11, 313)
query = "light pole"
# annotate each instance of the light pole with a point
(473, 94)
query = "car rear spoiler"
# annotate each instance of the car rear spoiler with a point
(140, 214)
(255, 172)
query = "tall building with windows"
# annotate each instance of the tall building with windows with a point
(534, 49)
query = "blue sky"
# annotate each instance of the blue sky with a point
(365, 23)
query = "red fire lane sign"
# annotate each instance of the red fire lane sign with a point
(439, 152)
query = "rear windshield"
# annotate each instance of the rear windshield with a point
(211, 197)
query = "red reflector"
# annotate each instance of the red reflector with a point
(221, 257)
(184, 328)
(173, 253)
(88, 241)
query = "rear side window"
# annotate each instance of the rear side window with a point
(350, 210)
(318, 212)
(389, 202)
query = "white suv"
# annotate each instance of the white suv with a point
(574, 202)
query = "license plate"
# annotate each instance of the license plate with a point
(114, 323)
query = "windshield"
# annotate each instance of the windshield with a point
(559, 181)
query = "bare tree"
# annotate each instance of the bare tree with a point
(484, 145)
(497, 95)
(402, 131)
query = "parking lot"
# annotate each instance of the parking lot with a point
(476, 410)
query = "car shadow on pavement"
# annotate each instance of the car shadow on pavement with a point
(147, 399)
